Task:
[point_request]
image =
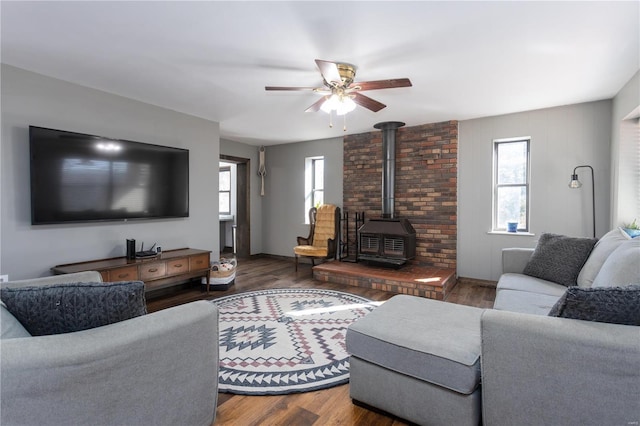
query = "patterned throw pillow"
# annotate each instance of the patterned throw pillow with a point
(558, 258)
(64, 308)
(616, 305)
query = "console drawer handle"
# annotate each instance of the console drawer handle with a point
(179, 265)
(123, 275)
(153, 270)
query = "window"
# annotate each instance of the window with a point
(317, 191)
(511, 183)
(314, 184)
(224, 191)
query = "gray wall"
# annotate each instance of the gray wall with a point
(242, 150)
(561, 138)
(31, 99)
(625, 154)
(283, 205)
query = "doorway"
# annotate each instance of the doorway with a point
(242, 216)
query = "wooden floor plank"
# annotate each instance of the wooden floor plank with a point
(325, 407)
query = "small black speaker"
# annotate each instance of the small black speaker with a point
(131, 249)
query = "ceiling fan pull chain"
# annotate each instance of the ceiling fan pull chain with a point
(331, 119)
(344, 127)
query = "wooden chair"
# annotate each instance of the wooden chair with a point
(324, 233)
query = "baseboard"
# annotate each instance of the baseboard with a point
(476, 281)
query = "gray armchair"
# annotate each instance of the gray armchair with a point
(155, 369)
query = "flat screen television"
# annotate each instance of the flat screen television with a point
(85, 178)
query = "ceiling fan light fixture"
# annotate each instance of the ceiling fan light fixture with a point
(325, 107)
(331, 104)
(341, 104)
(347, 105)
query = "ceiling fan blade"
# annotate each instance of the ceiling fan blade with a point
(382, 84)
(287, 88)
(316, 105)
(367, 102)
(329, 71)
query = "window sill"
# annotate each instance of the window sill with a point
(521, 234)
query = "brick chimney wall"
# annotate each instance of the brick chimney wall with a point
(425, 191)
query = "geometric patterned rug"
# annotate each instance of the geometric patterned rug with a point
(275, 342)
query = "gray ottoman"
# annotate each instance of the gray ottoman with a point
(418, 359)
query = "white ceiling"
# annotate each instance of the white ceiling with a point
(212, 59)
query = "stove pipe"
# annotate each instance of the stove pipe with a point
(389, 130)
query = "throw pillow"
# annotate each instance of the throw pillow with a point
(64, 308)
(622, 267)
(558, 258)
(604, 247)
(616, 305)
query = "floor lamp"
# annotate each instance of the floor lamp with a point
(575, 184)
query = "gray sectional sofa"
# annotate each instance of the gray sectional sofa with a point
(544, 370)
(154, 369)
(529, 368)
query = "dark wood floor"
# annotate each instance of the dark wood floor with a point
(326, 407)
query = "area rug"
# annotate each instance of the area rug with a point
(281, 341)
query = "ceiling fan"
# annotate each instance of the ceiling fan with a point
(340, 92)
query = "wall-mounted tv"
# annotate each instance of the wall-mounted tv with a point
(83, 178)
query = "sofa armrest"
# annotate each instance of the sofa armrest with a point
(539, 370)
(77, 277)
(515, 259)
(160, 368)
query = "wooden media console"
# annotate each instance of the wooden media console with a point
(169, 268)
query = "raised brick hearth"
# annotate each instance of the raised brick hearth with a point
(413, 279)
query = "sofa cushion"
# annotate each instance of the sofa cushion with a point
(603, 248)
(622, 267)
(312, 251)
(524, 302)
(520, 282)
(64, 308)
(413, 336)
(559, 258)
(617, 305)
(10, 327)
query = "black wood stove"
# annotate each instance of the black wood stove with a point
(387, 240)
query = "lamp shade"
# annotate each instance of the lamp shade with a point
(575, 183)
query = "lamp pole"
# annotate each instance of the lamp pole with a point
(575, 183)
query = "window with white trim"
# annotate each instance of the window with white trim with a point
(511, 183)
(224, 191)
(314, 184)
